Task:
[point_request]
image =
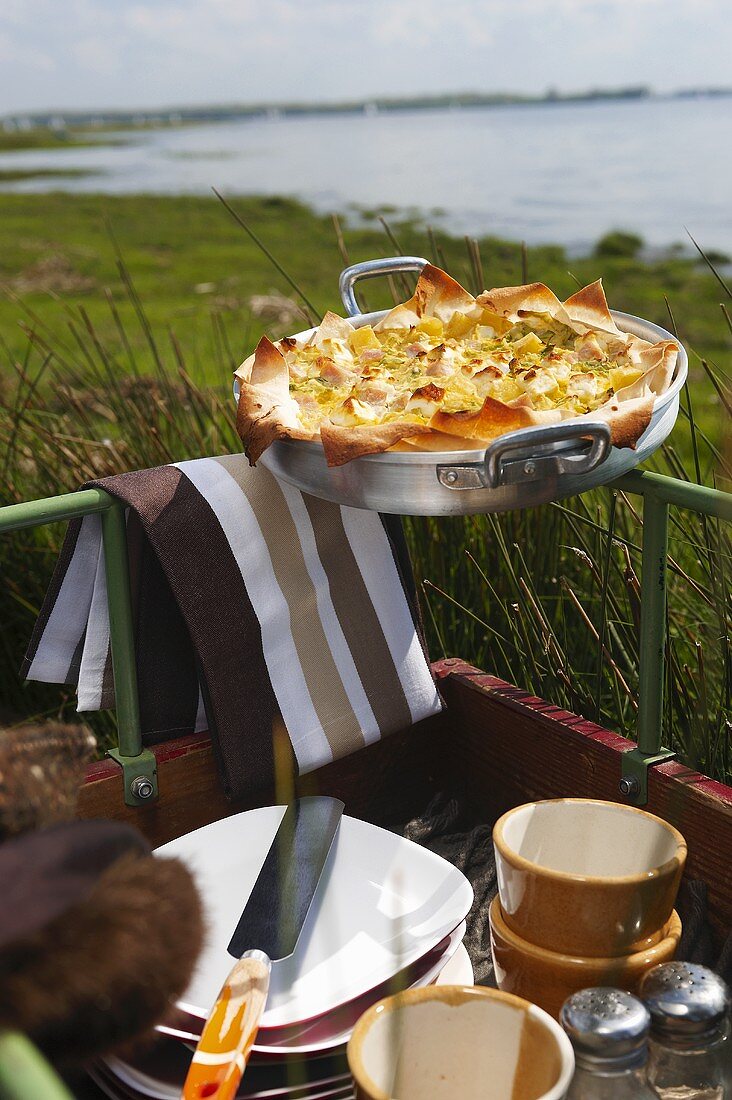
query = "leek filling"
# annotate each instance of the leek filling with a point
(372, 376)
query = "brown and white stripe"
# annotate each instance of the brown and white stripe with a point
(280, 605)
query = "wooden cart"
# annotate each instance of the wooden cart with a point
(494, 746)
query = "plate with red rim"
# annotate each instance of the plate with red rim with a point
(160, 1071)
(340, 1088)
(382, 903)
(321, 1035)
(333, 1029)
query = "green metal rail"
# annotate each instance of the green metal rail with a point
(138, 764)
(658, 492)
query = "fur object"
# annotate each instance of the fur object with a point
(40, 772)
(105, 972)
(106, 938)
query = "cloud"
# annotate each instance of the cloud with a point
(105, 53)
(97, 55)
(26, 56)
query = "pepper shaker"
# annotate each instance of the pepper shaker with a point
(690, 1045)
(608, 1029)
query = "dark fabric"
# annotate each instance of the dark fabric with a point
(697, 942)
(45, 873)
(72, 676)
(469, 847)
(166, 670)
(187, 540)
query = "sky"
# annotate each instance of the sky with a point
(101, 54)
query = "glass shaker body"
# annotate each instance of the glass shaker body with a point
(627, 1085)
(690, 1047)
(698, 1072)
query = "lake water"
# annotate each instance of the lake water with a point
(564, 173)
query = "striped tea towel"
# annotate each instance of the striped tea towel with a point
(255, 605)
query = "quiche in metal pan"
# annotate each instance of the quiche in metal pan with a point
(447, 371)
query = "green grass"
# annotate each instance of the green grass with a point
(114, 356)
(12, 141)
(17, 175)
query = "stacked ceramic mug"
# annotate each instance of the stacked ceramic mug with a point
(586, 893)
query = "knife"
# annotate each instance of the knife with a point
(268, 930)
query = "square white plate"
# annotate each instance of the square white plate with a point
(123, 1079)
(381, 904)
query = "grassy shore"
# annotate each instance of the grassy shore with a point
(18, 175)
(42, 137)
(121, 319)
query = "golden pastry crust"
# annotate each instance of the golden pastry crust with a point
(341, 445)
(266, 411)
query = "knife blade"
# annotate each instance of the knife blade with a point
(268, 930)
(278, 905)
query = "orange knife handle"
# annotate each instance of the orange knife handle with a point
(227, 1039)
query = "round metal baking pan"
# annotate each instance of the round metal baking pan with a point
(519, 470)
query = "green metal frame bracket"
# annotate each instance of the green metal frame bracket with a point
(139, 776)
(634, 774)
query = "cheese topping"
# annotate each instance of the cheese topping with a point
(408, 374)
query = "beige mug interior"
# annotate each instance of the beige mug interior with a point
(588, 838)
(459, 1042)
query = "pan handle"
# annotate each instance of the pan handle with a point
(368, 270)
(533, 454)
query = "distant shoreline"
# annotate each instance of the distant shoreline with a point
(60, 120)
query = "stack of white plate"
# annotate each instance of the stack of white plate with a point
(388, 914)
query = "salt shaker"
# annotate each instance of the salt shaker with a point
(609, 1032)
(690, 1046)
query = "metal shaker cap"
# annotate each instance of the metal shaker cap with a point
(687, 1002)
(606, 1026)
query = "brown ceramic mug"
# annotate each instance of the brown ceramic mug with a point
(449, 1042)
(585, 877)
(547, 977)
